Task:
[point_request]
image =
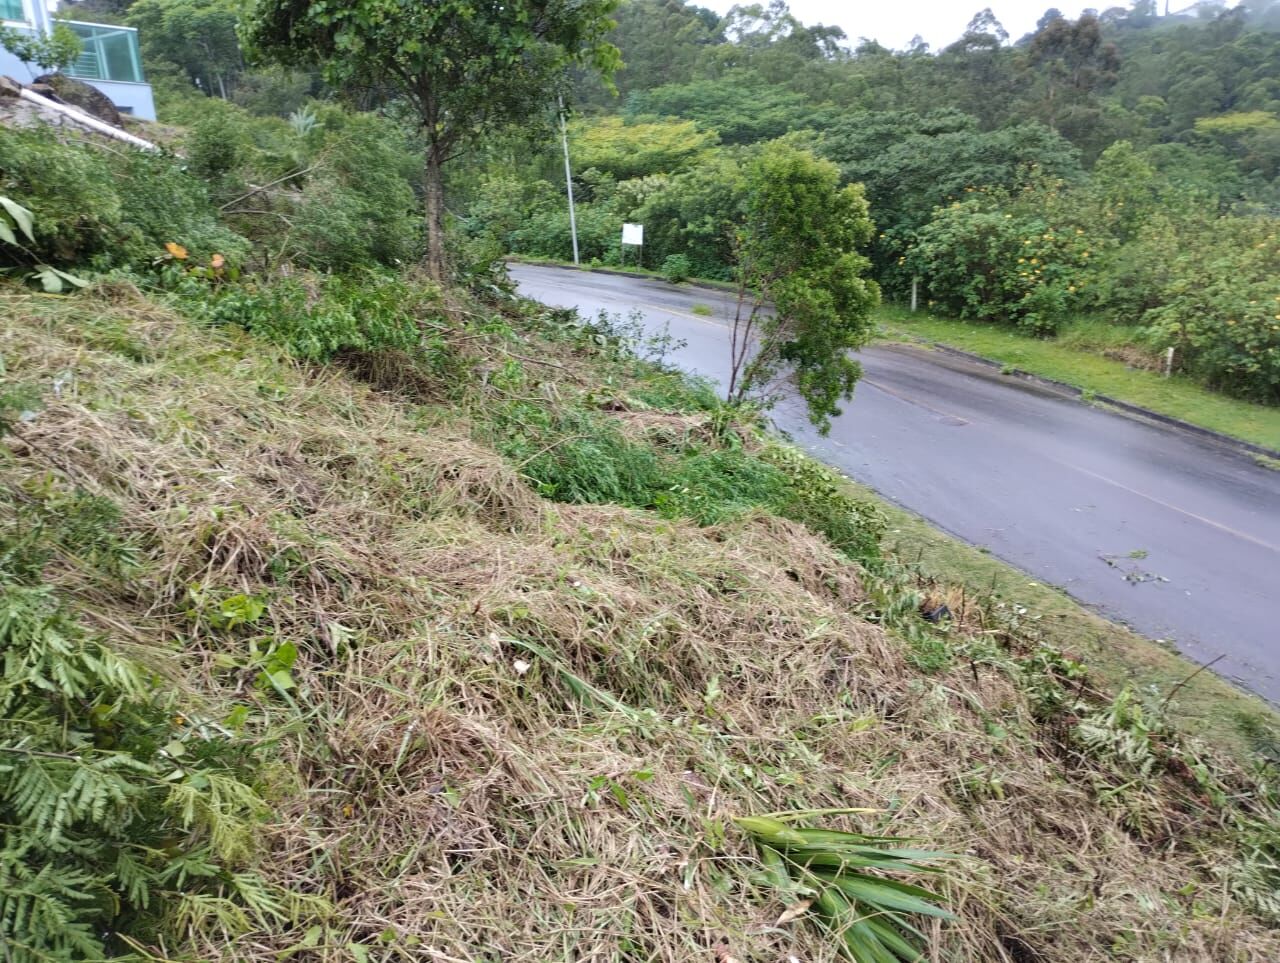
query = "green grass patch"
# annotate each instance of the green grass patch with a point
(1074, 359)
(580, 456)
(703, 310)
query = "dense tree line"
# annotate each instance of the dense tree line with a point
(1021, 181)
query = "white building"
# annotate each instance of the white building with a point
(110, 61)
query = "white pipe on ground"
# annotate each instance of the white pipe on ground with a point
(80, 117)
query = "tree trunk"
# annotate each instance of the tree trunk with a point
(433, 184)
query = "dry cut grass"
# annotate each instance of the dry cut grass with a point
(521, 729)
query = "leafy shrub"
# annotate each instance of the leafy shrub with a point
(1001, 259)
(112, 209)
(216, 146)
(817, 498)
(1220, 310)
(315, 317)
(357, 207)
(547, 232)
(676, 268)
(693, 213)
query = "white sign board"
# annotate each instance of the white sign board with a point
(633, 234)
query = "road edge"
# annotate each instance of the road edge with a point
(1124, 407)
(718, 287)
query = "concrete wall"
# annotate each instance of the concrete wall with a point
(11, 66)
(132, 99)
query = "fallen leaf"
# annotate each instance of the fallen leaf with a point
(521, 666)
(217, 262)
(794, 912)
(177, 251)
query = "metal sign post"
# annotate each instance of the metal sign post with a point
(568, 181)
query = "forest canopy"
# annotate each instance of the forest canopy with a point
(1123, 166)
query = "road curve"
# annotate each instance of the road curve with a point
(1175, 535)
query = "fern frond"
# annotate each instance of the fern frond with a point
(135, 878)
(221, 807)
(260, 899)
(99, 839)
(183, 868)
(204, 911)
(46, 908)
(52, 791)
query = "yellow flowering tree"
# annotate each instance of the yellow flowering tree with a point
(1004, 258)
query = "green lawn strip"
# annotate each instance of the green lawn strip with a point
(1206, 706)
(1176, 397)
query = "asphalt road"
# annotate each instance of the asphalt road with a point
(1175, 535)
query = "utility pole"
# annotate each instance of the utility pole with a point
(568, 180)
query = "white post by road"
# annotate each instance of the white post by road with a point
(568, 181)
(915, 290)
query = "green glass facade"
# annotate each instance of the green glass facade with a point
(110, 53)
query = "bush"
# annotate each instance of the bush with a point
(547, 233)
(693, 213)
(1221, 312)
(358, 207)
(337, 191)
(110, 209)
(216, 147)
(676, 268)
(1001, 259)
(316, 317)
(817, 498)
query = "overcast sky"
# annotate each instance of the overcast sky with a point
(895, 22)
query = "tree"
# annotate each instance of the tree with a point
(637, 149)
(977, 66)
(663, 40)
(803, 302)
(56, 50)
(197, 35)
(1071, 64)
(911, 164)
(737, 105)
(465, 68)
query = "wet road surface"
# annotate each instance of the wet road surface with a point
(1176, 536)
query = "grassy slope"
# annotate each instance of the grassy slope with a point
(455, 772)
(1089, 370)
(1203, 704)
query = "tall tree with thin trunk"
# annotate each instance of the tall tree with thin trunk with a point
(804, 300)
(467, 67)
